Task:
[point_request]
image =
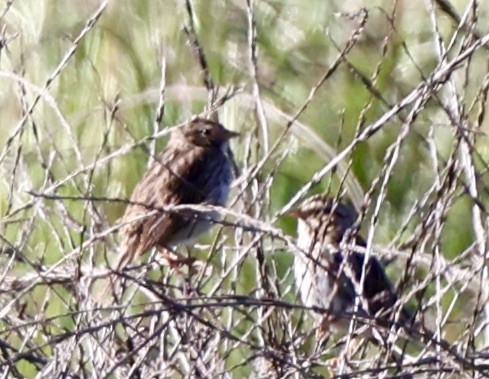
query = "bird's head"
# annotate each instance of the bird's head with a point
(206, 133)
(324, 218)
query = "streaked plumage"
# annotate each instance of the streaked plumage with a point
(194, 168)
(329, 277)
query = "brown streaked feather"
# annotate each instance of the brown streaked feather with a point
(163, 185)
(193, 169)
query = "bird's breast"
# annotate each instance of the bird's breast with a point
(218, 182)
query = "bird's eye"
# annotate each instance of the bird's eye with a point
(205, 132)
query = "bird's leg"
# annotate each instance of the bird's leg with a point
(323, 330)
(175, 260)
(353, 345)
(344, 357)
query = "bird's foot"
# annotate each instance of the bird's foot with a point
(322, 333)
(336, 365)
(333, 364)
(176, 261)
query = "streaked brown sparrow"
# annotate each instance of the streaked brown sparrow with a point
(194, 168)
(329, 276)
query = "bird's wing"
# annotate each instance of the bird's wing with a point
(175, 178)
(377, 289)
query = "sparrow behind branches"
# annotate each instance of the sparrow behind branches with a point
(340, 282)
(330, 277)
(194, 168)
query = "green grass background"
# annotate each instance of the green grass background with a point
(118, 63)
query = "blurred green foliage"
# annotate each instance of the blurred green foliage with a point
(117, 65)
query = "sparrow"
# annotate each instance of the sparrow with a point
(196, 167)
(328, 275)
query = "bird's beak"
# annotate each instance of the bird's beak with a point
(228, 134)
(297, 213)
